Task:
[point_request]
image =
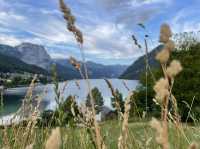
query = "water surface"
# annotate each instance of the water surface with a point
(13, 97)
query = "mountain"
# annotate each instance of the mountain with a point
(14, 65)
(96, 70)
(9, 51)
(35, 55)
(28, 57)
(134, 71)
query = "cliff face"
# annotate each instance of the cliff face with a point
(35, 55)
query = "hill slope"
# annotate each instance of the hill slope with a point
(134, 71)
(14, 65)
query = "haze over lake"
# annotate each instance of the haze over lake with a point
(13, 97)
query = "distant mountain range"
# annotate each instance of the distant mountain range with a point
(33, 58)
(138, 67)
(97, 70)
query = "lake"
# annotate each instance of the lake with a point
(13, 97)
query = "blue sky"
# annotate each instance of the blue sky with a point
(107, 25)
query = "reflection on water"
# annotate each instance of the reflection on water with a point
(13, 97)
(11, 104)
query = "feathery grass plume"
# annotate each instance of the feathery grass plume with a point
(122, 140)
(79, 38)
(54, 141)
(170, 45)
(161, 88)
(117, 104)
(174, 68)
(70, 19)
(165, 33)
(26, 106)
(155, 124)
(163, 56)
(29, 146)
(75, 63)
(194, 145)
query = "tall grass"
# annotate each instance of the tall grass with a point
(88, 133)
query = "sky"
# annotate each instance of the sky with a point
(107, 25)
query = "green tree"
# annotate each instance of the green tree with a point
(117, 101)
(186, 86)
(63, 115)
(98, 99)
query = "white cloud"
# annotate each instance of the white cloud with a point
(186, 22)
(9, 40)
(105, 37)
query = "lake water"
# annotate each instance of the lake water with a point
(13, 97)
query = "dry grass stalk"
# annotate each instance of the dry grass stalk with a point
(154, 123)
(70, 19)
(29, 146)
(117, 104)
(164, 86)
(122, 140)
(75, 63)
(54, 141)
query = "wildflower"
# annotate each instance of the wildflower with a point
(54, 140)
(165, 33)
(124, 134)
(174, 68)
(163, 56)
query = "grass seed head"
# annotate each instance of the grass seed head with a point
(54, 141)
(174, 68)
(170, 45)
(165, 33)
(163, 56)
(193, 146)
(161, 89)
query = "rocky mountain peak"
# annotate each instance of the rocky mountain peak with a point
(35, 55)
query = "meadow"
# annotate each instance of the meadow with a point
(73, 126)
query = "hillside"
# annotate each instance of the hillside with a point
(134, 71)
(14, 65)
(28, 54)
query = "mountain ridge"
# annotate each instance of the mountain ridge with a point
(37, 55)
(138, 67)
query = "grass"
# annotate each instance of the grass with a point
(168, 133)
(141, 135)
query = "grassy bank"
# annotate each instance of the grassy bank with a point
(140, 135)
